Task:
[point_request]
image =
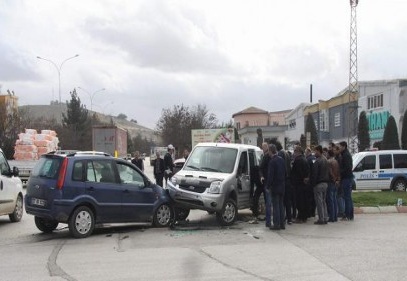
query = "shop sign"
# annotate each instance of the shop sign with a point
(377, 124)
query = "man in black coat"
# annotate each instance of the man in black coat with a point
(300, 172)
(159, 169)
(346, 166)
(169, 163)
(276, 184)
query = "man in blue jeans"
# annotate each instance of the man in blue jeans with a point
(346, 167)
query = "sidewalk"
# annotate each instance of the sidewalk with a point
(380, 210)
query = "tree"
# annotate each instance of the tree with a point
(10, 127)
(175, 124)
(363, 132)
(390, 136)
(310, 127)
(303, 141)
(404, 132)
(122, 116)
(76, 130)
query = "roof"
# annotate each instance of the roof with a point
(250, 110)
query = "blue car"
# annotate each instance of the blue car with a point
(83, 189)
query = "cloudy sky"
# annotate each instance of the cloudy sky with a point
(225, 54)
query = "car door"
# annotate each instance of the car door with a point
(7, 187)
(366, 173)
(104, 189)
(138, 195)
(243, 180)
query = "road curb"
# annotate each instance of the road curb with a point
(380, 210)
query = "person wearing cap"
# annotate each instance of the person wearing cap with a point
(169, 163)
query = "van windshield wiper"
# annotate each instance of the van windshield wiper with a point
(192, 167)
(210, 169)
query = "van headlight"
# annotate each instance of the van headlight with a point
(174, 180)
(215, 187)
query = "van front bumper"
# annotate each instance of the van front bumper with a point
(193, 200)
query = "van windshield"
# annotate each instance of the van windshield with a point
(212, 159)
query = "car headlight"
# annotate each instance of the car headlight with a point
(215, 187)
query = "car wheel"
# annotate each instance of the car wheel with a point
(163, 216)
(228, 214)
(400, 185)
(181, 214)
(18, 210)
(82, 222)
(46, 226)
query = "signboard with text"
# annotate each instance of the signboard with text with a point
(224, 135)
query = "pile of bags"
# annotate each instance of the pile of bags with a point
(31, 145)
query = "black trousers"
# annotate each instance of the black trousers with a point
(256, 197)
(159, 179)
(302, 201)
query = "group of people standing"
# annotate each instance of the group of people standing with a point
(296, 185)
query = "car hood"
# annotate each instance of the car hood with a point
(203, 175)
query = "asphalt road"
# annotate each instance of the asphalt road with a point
(372, 247)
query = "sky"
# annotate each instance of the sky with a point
(225, 54)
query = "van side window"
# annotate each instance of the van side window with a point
(400, 161)
(367, 163)
(385, 161)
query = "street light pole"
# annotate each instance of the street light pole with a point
(91, 96)
(59, 69)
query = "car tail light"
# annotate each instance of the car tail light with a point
(62, 172)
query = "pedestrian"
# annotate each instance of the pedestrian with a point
(159, 169)
(185, 154)
(276, 184)
(346, 166)
(310, 191)
(169, 163)
(138, 161)
(340, 199)
(299, 174)
(263, 170)
(334, 181)
(320, 179)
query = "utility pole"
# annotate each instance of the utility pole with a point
(353, 89)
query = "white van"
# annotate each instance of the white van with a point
(380, 170)
(217, 177)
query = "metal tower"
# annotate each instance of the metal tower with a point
(353, 89)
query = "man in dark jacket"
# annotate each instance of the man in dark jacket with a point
(276, 183)
(159, 169)
(310, 192)
(263, 170)
(169, 163)
(138, 161)
(346, 166)
(320, 179)
(300, 172)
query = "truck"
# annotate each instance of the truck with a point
(25, 168)
(222, 135)
(110, 139)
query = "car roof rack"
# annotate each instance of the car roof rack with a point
(96, 153)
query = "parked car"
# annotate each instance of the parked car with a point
(381, 169)
(11, 191)
(88, 188)
(217, 177)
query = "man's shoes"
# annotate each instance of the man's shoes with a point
(282, 227)
(268, 225)
(274, 228)
(344, 219)
(319, 222)
(289, 222)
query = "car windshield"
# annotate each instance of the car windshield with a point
(212, 159)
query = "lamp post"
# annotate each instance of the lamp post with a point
(59, 69)
(91, 96)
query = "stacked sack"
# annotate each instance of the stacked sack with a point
(31, 145)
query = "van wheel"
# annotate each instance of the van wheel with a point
(400, 185)
(46, 226)
(82, 222)
(181, 214)
(228, 214)
(18, 210)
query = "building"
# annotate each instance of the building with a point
(253, 123)
(295, 123)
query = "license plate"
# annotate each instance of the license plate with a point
(38, 202)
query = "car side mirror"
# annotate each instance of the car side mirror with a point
(16, 172)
